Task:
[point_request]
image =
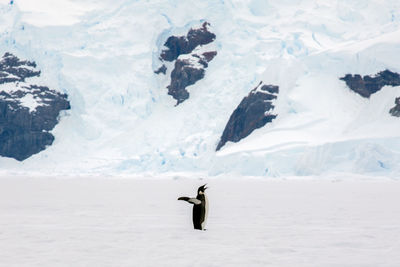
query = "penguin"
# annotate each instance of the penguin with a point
(200, 208)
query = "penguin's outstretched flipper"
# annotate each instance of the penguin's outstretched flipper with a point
(194, 201)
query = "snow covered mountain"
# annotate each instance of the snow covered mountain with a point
(124, 120)
(28, 111)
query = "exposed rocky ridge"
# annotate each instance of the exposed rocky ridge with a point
(182, 76)
(13, 69)
(252, 113)
(187, 72)
(368, 85)
(27, 111)
(189, 62)
(179, 45)
(395, 111)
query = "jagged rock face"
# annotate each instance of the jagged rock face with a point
(252, 113)
(12, 69)
(180, 45)
(368, 85)
(182, 76)
(395, 111)
(27, 111)
(190, 57)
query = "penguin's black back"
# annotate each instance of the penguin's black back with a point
(199, 212)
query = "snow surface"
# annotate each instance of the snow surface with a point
(109, 221)
(30, 102)
(103, 54)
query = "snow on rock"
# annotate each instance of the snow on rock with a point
(181, 45)
(13, 69)
(367, 85)
(190, 58)
(28, 112)
(253, 112)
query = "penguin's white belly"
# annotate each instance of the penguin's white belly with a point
(203, 224)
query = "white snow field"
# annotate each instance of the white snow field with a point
(103, 54)
(108, 221)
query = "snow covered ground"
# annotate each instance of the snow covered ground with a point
(109, 221)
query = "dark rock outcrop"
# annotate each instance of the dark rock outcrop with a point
(187, 72)
(12, 69)
(395, 111)
(182, 76)
(208, 56)
(189, 65)
(27, 112)
(252, 113)
(178, 45)
(368, 85)
(162, 69)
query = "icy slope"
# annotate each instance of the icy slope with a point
(103, 54)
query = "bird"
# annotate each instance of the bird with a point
(200, 207)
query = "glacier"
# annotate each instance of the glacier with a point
(122, 121)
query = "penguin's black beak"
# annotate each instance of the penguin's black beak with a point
(202, 188)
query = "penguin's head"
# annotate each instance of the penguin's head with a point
(202, 189)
